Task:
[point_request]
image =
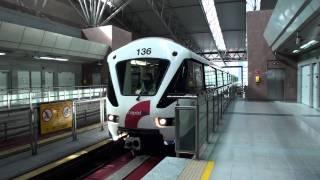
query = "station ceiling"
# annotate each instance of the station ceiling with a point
(182, 20)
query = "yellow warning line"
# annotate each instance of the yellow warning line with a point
(54, 164)
(207, 171)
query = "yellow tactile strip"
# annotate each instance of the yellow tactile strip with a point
(193, 170)
(208, 170)
(45, 141)
(62, 161)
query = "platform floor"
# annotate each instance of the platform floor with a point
(267, 140)
(260, 140)
(24, 162)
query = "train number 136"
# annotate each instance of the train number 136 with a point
(144, 51)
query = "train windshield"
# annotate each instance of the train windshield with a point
(141, 76)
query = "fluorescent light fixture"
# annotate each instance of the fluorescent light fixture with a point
(140, 63)
(108, 2)
(295, 51)
(309, 44)
(2, 53)
(253, 5)
(211, 14)
(51, 58)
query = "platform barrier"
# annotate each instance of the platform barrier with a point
(78, 103)
(37, 125)
(198, 116)
(10, 98)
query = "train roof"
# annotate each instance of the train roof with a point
(178, 46)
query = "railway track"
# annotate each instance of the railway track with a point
(110, 161)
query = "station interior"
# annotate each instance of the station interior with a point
(249, 70)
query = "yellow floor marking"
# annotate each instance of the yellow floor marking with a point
(54, 164)
(46, 141)
(207, 171)
(192, 170)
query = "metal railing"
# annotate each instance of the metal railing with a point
(26, 96)
(29, 129)
(199, 116)
(78, 103)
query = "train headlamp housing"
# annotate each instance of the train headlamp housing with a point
(113, 118)
(162, 122)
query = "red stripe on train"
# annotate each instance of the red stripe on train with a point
(136, 113)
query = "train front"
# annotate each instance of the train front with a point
(140, 73)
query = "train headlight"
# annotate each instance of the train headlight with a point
(113, 118)
(160, 121)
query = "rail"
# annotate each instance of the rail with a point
(10, 98)
(78, 103)
(197, 117)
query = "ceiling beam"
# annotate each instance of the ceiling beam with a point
(171, 23)
(215, 52)
(229, 2)
(233, 30)
(116, 12)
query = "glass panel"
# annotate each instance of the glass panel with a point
(141, 76)
(186, 131)
(202, 120)
(210, 77)
(211, 114)
(219, 78)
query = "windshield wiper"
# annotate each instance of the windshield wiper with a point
(139, 95)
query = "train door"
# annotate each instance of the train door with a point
(315, 85)
(305, 84)
(275, 83)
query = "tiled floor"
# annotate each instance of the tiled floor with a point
(267, 140)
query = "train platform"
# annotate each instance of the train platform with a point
(258, 140)
(57, 152)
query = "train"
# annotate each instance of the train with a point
(142, 74)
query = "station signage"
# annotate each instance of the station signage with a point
(55, 116)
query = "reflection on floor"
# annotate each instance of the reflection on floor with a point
(267, 140)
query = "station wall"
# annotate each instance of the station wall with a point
(278, 73)
(24, 73)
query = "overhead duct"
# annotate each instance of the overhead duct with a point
(30, 39)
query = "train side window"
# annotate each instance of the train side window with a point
(210, 77)
(177, 86)
(194, 77)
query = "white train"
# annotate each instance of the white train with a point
(142, 74)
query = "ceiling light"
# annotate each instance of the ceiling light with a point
(51, 58)
(213, 21)
(295, 51)
(108, 2)
(309, 44)
(2, 53)
(140, 63)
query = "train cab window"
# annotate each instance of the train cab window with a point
(141, 76)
